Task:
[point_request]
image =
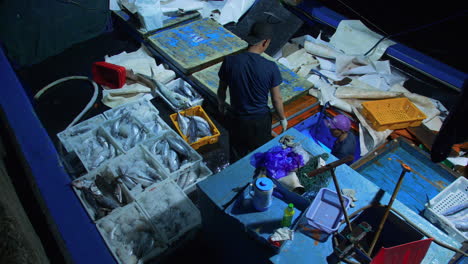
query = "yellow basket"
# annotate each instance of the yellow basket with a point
(396, 113)
(198, 111)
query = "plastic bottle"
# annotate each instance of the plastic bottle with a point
(288, 215)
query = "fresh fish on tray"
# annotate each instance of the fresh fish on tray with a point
(193, 127)
(127, 131)
(95, 150)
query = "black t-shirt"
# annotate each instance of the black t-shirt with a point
(250, 78)
(345, 147)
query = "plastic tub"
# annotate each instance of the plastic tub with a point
(395, 113)
(198, 111)
(325, 212)
(68, 136)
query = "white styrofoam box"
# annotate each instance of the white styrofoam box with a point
(127, 227)
(189, 152)
(141, 108)
(94, 153)
(107, 177)
(67, 136)
(170, 210)
(127, 131)
(174, 86)
(454, 194)
(138, 162)
(200, 172)
(154, 124)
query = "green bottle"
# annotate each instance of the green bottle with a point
(288, 215)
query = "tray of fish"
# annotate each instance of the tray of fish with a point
(172, 152)
(188, 178)
(130, 236)
(178, 94)
(170, 210)
(142, 108)
(127, 131)
(101, 193)
(137, 170)
(154, 124)
(95, 148)
(67, 136)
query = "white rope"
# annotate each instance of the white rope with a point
(87, 107)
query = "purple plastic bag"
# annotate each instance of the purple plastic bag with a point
(277, 161)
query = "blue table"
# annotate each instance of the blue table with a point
(232, 235)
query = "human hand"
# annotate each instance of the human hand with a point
(284, 124)
(222, 108)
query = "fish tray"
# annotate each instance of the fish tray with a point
(79, 147)
(123, 142)
(151, 122)
(87, 206)
(198, 111)
(133, 220)
(200, 170)
(69, 135)
(193, 156)
(141, 108)
(137, 156)
(325, 212)
(172, 85)
(170, 210)
(395, 113)
(454, 194)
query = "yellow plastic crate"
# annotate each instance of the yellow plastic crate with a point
(198, 111)
(395, 113)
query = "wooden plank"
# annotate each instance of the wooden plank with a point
(196, 45)
(293, 86)
(169, 22)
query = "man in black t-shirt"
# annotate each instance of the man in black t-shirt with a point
(250, 78)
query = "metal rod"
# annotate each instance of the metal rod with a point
(406, 168)
(331, 165)
(340, 197)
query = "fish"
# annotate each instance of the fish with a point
(106, 202)
(165, 148)
(112, 233)
(129, 182)
(455, 209)
(182, 180)
(82, 183)
(177, 146)
(175, 98)
(183, 123)
(143, 244)
(118, 193)
(191, 177)
(203, 127)
(186, 90)
(173, 161)
(192, 130)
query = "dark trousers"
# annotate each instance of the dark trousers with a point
(246, 135)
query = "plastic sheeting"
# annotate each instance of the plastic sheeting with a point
(277, 161)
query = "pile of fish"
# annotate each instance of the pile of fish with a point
(127, 131)
(103, 194)
(137, 175)
(141, 108)
(181, 97)
(193, 127)
(154, 124)
(130, 235)
(171, 152)
(458, 216)
(95, 150)
(187, 178)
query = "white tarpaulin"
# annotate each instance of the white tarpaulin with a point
(353, 38)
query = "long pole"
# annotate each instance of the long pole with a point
(340, 197)
(406, 168)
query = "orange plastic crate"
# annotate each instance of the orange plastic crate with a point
(395, 113)
(198, 111)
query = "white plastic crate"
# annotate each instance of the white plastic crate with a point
(454, 194)
(107, 177)
(68, 136)
(127, 131)
(137, 163)
(142, 108)
(90, 150)
(123, 229)
(175, 85)
(189, 152)
(189, 177)
(170, 210)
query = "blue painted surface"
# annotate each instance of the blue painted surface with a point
(303, 249)
(427, 180)
(78, 232)
(410, 56)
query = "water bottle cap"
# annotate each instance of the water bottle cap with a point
(291, 205)
(264, 184)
